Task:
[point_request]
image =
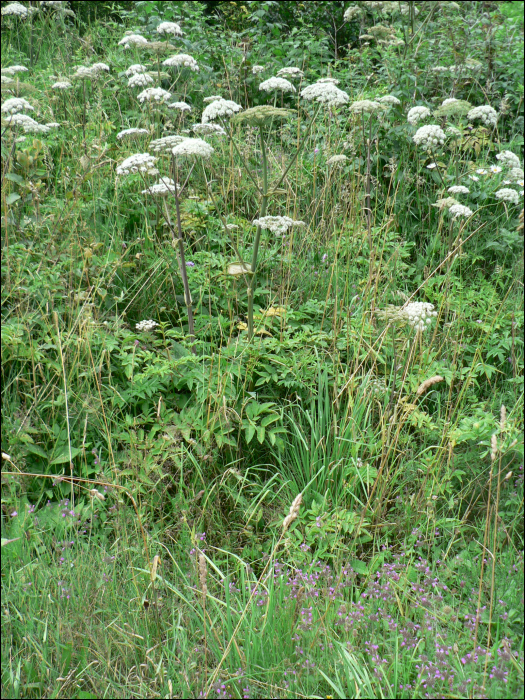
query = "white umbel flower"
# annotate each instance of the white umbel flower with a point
(335, 160)
(290, 72)
(507, 195)
(277, 224)
(6, 80)
(509, 159)
(62, 85)
(162, 188)
(333, 81)
(389, 100)
(417, 114)
(458, 210)
(212, 98)
(365, 106)
(486, 114)
(140, 80)
(100, 68)
(135, 69)
(419, 314)
(13, 70)
(458, 189)
(137, 163)
(182, 60)
(16, 10)
(208, 129)
(156, 94)
(169, 28)
(84, 73)
(193, 147)
(351, 13)
(325, 93)
(28, 124)
(277, 84)
(15, 105)
(182, 106)
(166, 143)
(146, 325)
(219, 108)
(132, 133)
(258, 69)
(132, 40)
(429, 137)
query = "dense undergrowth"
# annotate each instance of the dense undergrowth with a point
(262, 380)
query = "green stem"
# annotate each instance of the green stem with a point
(299, 148)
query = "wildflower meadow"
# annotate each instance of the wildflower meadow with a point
(262, 349)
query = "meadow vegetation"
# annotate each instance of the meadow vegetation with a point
(262, 349)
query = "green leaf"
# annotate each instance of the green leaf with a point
(35, 449)
(260, 434)
(15, 178)
(63, 456)
(250, 432)
(12, 198)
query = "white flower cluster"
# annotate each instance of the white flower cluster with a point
(91, 73)
(333, 81)
(135, 69)
(6, 80)
(429, 136)
(193, 147)
(458, 210)
(132, 40)
(325, 93)
(15, 9)
(208, 129)
(132, 133)
(336, 159)
(15, 105)
(453, 132)
(100, 67)
(509, 159)
(486, 113)
(146, 325)
(182, 106)
(419, 314)
(458, 189)
(516, 174)
(29, 125)
(417, 114)
(219, 108)
(137, 163)
(62, 85)
(507, 195)
(162, 188)
(169, 28)
(277, 224)
(449, 101)
(290, 72)
(389, 100)
(277, 84)
(156, 94)
(182, 60)
(351, 13)
(365, 106)
(166, 143)
(140, 80)
(258, 69)
(13, 70)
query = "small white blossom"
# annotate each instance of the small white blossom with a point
(84, 73)
(507, 195)
(417, 114)
(169, 28)
(336, 159)
(140, 80)
(495, 169)
(453, 131)
(365, 106)
(137, 163)
(132, 133)
(208, 129)
(486, 113)
(509, 159)
(277, 84)
(219, 108)
(419, 314)
(132, 40)
(15, 105)
(153, 94)
(16, 10)
(52, 125)
(458, 189)
(100, 67)
(277, 224)
(146, 325)
(290, 72)
(182, 60)
(429, 136)
(257, 69)
(475, 178)
(332, 81)
(62, 85)
(457, 210)
(193, 147)
(516, 174)
(389, 100)
(182, 106)
(482, 171)
(440, 69)
(162, 188)
(431, 166)
(166, 143)
(135, 69)
(325, 93)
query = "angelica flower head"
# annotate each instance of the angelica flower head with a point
(445, 203)
(208, 129)
(417, 114)
(193, 148)
(389, 100)
(169, 28)
(15, 105)
(212, 98)
(458, 189)
(258, 69)
(162, 188)
(167, 143)
(140, 80)
(290, 72)
(132, 40)
(277, 84)
(429, 137)
(277, 224)
(182, 60)
(507, 195)
(516, 174)
(84, 73)
(15, 9)
(351, 13)
(182, 106)
(219, 108)
(509, 159)
(13, 70)
(486, 114)
(62, 85)
(100, 67)
(365, 106)
(337, 160)
(28, 124)
(156, 94)
(458, 210)
(146, 325)
(133, 133)
(419, 314)
(137, 163)
(135, 69)
(325, 93)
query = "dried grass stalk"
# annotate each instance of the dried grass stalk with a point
(428, 383)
